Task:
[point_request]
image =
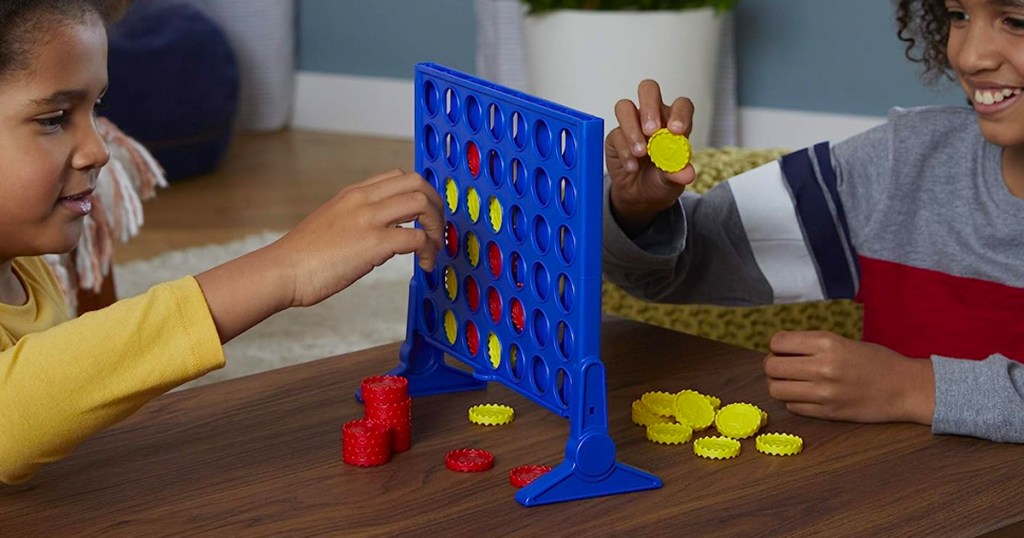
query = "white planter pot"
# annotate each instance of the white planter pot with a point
(588, 60)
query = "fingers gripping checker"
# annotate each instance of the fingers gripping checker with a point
(516, 292)
(669, 151)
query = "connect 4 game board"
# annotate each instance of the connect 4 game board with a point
(516, 294)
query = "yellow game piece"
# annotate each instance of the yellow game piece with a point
(451, 193)
(779, 444)
(491, 414)
(669, 433)
(716, 448)
(662, 403)
(715, 402)
(451, 283)
(644, 416)
(472, 249)
(473, 204)
(738, 420)
(495, 212)
(764, 418)
(669, 151)
(494, 350)
(694, 410)
(451, 326)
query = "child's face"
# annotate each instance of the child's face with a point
(50, 151)
(986, 50)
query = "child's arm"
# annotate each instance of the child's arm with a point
(60, 386)
(823, 375)
(742, 243)
(333, 247)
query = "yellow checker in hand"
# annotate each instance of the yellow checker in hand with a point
(669, 151)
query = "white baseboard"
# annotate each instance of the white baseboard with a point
(384, 107)
(356, 105)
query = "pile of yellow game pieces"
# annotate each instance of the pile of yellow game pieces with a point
(672, 418)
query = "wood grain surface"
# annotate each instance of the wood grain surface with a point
(260, 456)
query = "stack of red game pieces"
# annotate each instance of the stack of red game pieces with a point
(386, 401)
(365, 443)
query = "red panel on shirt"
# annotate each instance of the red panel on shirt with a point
(920, 312)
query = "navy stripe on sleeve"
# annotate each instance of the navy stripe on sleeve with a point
(825, 237)
(828, 176)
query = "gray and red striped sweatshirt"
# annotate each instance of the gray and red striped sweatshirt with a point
(911, 218)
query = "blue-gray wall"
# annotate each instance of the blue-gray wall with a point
(385, 38)
(833, 56)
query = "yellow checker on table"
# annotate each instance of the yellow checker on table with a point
(738, 420)
(716, 448)
(779, 444)
(662, 403)
(645, 416)
(694, 410)
(669, 433)
(491, 414)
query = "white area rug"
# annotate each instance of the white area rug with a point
(370, 312)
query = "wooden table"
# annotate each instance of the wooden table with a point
(261, 456)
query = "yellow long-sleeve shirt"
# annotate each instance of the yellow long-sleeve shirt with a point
(62, 380)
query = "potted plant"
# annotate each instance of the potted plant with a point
(587, 54)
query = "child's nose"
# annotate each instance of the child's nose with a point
(978, 52)
(92, 151)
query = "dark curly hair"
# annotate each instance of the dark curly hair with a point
(924, 27)
(24, 21)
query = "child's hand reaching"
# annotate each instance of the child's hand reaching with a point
(343, 240)
(639, 190)
(359, 229)
(821, 374)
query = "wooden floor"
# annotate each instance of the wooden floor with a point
(266, 182)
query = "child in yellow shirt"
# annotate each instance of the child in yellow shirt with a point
(63, 380)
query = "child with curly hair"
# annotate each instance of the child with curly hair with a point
(920, 219)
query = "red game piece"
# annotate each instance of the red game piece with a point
(472, 338)
(494, 304)
(469, 460)
(472, 294)
(365, 443)
(473, 159)
(385, 389)
(494, 259)
(397, 417)
(518, 315)
(451, 239)
(523, 475)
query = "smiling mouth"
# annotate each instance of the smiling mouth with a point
(76, 197)
(991, 97)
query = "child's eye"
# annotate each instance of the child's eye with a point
(100, 106)
(52, 123)
(956, 15)
(1015, 23)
